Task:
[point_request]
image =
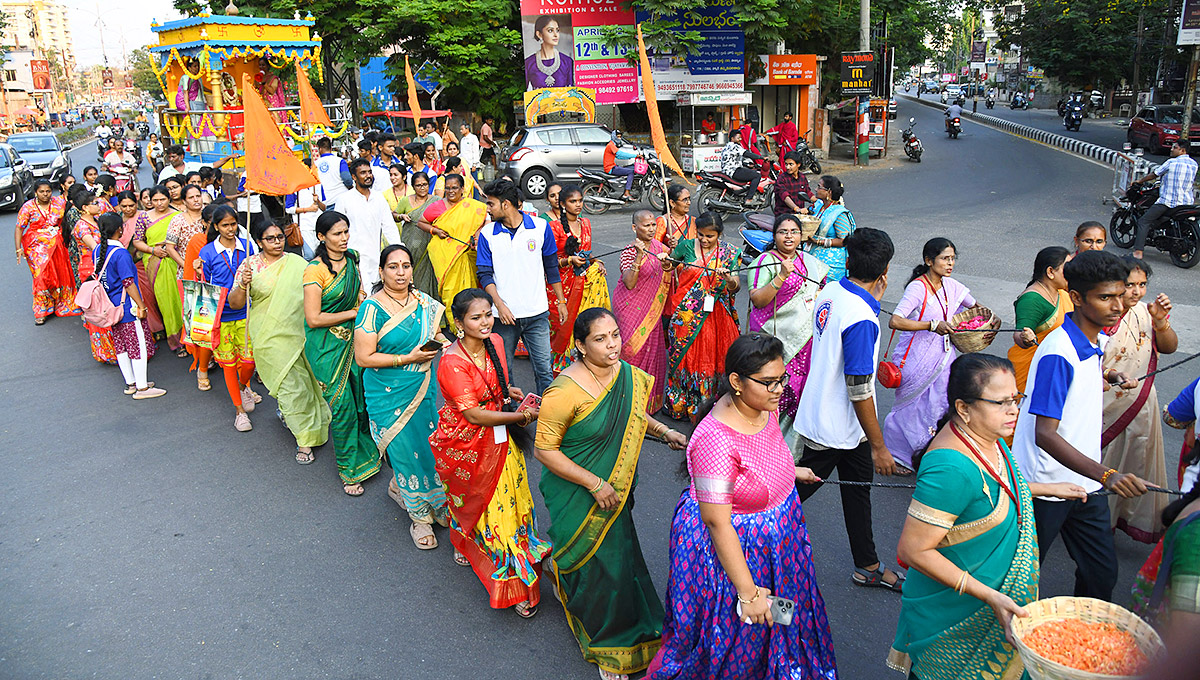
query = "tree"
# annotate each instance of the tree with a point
(141, 65)
(1082, 43)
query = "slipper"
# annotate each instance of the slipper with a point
(609, 675)
(181, 352)
(525, 610)
(461, 559)
(419, 532)
(305, 457)
(346, 488)
(874, 579)
(203, 384)
(39, 322)
(903, 470)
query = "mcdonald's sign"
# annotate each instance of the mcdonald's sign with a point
(858, 72)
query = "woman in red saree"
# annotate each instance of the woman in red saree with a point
(583, 290)
(638, 303)
(39, 241)
(86, 233)
(492, 523)
(704, 321)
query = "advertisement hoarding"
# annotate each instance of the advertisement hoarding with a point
(858, 72)
(562, 48)
(792, 69)
(719, 63)
(106, 78)
(40, 70)
(1189, 23)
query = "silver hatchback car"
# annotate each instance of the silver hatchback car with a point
(537, 156)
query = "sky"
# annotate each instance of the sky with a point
(128, 19)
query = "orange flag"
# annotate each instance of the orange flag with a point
(656, 127)
(271, 167)
(413, 102)
(312, 112)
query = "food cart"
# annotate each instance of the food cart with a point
(699, 150)
(199, 62)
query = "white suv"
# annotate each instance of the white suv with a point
(951, 92)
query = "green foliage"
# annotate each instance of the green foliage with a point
(67, 137)
(140, 61)
(1084, 43)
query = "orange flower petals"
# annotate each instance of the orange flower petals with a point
(1094, 647)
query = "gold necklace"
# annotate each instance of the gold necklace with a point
(589, 370)
(746, 420)
(402, 304)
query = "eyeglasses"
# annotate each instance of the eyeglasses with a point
(420, 184)
(273, 237)
(788, 232)
(684, 199)
(1006, 403)
(772, 385)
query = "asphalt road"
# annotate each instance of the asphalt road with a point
(151, 540)
(1106, 132)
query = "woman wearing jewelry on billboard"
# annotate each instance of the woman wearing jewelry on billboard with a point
(548, 67)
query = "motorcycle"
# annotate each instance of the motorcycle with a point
(807, 158)
(912, 145)
(953, 126)
(134, 149)
(602, 191)
(1018, 102)
(720, 192)
(1073, 116)
(757, 232)
(1177, 232)
(990, 101)
(143, 130)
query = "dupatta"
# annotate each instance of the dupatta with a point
(644, 304)
(276, 318)
(607, 441)
(790, 315)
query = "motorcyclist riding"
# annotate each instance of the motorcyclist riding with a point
(1178, 175)
(731, 162)
(953, 111)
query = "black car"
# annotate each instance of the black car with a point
(16, 178)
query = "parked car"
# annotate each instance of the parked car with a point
(46, 155)
(951, 92)
(16, 178)
(1155, 128)
(536, 156)
(932, 86)
(891, 108)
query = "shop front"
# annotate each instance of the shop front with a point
(791, 83)
(705, 119)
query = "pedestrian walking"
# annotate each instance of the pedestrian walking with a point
(38, 240)
(639, 301)
(371, 223)
(583, 282)
(453, 223)
(1040, 309)
(828, 244)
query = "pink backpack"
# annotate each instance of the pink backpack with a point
(98, 309)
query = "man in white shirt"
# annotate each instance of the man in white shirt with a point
(468, 149)
(836, 419)
(304, 207)
(1059, 428)
(333, 171)
(370, 219)
(382, 164)
(516, 256)
(431, 135)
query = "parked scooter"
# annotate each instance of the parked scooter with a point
(722, 193)
(912, 145)
(808, 160)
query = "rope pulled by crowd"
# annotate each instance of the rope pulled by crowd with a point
(901, 485)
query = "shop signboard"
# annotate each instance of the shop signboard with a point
(106, 78)
(696, 159)
(1189, 23)
(719, 65)
(713, 98)
(562, 48)
(858, 72)
(40, 71)
(792, 69)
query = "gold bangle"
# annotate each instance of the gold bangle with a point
(395, 361)
(961, 586)
(1107, 473)
(599, 483)
(757, 593)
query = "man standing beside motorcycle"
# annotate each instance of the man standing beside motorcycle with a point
(786, 135)
(731, 163)
(791, 189)
(1178, 176)
(610, 162)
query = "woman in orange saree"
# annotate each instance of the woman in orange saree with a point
(39, 241)
(583, 283)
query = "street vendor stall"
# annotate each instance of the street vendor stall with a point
(199, 63)
(700, 149)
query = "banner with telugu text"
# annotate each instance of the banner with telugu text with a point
(562, 48)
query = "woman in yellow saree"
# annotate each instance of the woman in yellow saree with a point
(273, 280)
(161, 270)
(1040, 309)
(589, 437)
(454, 223)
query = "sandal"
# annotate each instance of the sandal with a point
(609, 675)
(203, 384)
(132, 389)
(903, 470)
(348, 489)
(461, 559)
(525, 610)
(874, 579)
(39, 322)
(305, 457)
(422, 532)
(181, 352)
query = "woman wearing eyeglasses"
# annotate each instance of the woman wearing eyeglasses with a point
(783, 292)
(272, 283)
(738, 539)
(969, 539)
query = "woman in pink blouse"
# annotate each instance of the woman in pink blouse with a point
(738, 539)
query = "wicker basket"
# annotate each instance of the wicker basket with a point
(977, 340)
(808, 226)
(1083, 609)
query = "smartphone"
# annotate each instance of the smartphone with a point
(431, 346)
(782, 610)
(531, 400)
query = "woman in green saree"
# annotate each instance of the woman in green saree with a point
(411, 209)
(332, 291)
(969, 530)
(390, 337)
(272, 282)
(589, 437)
(1040, 309)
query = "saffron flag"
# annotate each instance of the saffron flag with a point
(656, 127)
(312, 112)
(271, 167)
(413, 102)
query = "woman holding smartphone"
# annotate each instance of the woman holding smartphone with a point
(743, 493)
(392, 337)
(492, 523)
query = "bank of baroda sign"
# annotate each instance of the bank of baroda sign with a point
(858, 72)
